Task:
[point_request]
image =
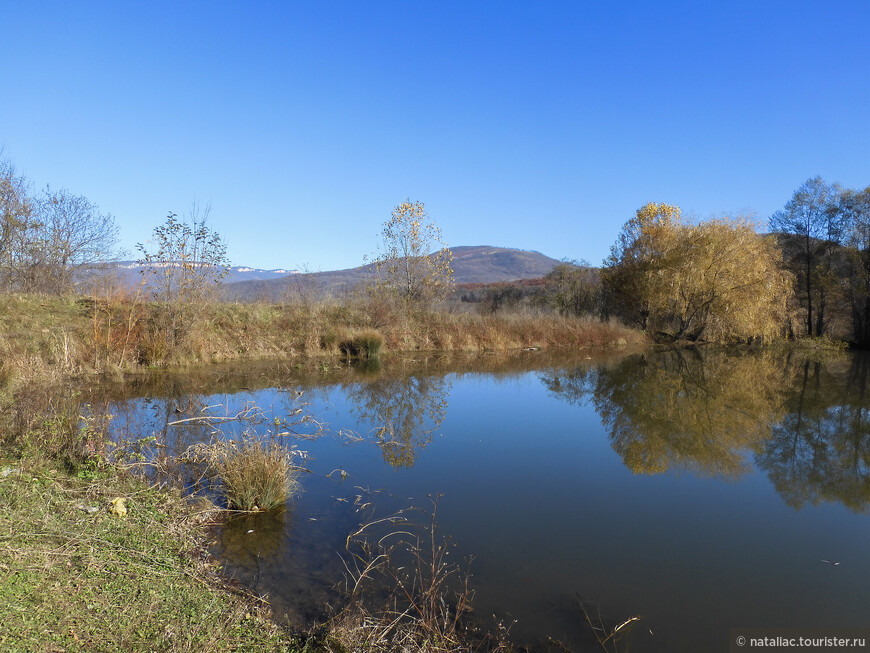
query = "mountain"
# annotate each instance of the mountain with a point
(129, 273)
(484, 264)
(471, 264)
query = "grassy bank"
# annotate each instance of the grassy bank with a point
(46, 338)
(75, 577)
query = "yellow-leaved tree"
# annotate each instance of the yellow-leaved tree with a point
(415, 264)
(630, 275)
(716, 281)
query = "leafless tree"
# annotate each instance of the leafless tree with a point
(74, 239)
(15, 222)
(49, 242)
(184, 271)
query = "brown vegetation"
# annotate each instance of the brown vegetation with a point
(405, 594)
(254, 474)
(59, 337)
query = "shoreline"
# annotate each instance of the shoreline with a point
(49, 343)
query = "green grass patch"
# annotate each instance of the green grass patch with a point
(74, 577)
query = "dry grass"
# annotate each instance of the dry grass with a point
(256, 473)
(52, 338)
(427, 604)
(365, 343)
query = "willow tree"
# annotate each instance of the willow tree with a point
(716, 281)
(414, 263)
(629, 275)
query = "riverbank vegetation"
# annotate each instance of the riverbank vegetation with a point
(714, 281)
(78, 579)
(254, 474)
(49, 337)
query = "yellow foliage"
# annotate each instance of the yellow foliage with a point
(118, 506)
(685, 409)
(716, 281)
(415, 263)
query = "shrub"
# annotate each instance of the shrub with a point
(257, 475)
(366, 343)
(329, 340)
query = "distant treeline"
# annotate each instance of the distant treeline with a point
(571, 289)
(721, 280)
(717, 281)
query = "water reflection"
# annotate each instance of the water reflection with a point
(404, 413)
(803, 419)
(249, 540)
(535, 490)
(820, 451)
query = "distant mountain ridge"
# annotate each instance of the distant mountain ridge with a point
(487, 264)
(479, 264)
(130, 273)
(471, 264)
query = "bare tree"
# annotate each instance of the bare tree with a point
(184, 272)
(813, 217)
(16, 222)
(574, 288)
(855, 207)
(47, 242)
(73, 239)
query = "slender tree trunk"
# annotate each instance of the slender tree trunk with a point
(808, 274)
(820, 312)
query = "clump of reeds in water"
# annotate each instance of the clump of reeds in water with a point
(366, 343)
(256, 473)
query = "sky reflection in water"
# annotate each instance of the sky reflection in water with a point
(697, 489)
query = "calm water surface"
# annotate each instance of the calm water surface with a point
(699, 490)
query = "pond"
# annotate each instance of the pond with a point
(699, 490)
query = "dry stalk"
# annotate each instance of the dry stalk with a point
(426, 599)
(607, 638)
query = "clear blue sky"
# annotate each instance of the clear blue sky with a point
(538, 125)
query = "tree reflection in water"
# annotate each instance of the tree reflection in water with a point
(404, 413)
(803, 417)
(821, 450)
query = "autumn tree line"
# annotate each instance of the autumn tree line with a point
(718, 280)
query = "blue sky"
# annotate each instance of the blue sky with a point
(537, 125)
